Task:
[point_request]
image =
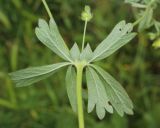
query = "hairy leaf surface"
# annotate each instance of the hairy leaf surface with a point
(116, 93)
(29, 76)
(120, 35)
(71, 87)
(96, 94)
(50, 36)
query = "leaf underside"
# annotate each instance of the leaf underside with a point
(50, 36)
(29, 76)
(71, 87)
(87, 53)
(96, 94)
(75, 52)
(118, 97)
(120, 35)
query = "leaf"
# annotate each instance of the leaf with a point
(97, 94)
(50, 36)
(71, 87)
(137, 5)
(130, 1)
(148, 1)
(157, 26)
(120, 35)
(75, 52)
(86, 53)
(29, 76)
(116, 93)
(146, 22)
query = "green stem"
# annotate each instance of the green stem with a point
(79, 96)
(84, 34)
(137, 21)
(47, 8)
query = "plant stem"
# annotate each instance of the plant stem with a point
(47, 8)
(137, 21)
(84, 34)
(79, 96)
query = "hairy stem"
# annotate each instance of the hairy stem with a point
(47, 8)
(79, 96)
(84, 34)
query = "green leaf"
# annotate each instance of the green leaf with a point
(75, 52)
(86, 53)
(116, 93)
(120, 35)
(97, 94)
(146, 22)
(157, 26)
(71, 87)
(50, 36)
(148, 1)
(130, 1)
(136, 3)
(29, 76)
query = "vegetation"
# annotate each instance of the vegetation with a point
(141, 72)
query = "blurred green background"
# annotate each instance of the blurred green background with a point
(45, 105)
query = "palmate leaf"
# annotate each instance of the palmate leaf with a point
(71, 87)
(96, 94)
(116, 93)
(50, 36)
(120, 35)
(29, 76)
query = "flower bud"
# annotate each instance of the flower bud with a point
(86, 14)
